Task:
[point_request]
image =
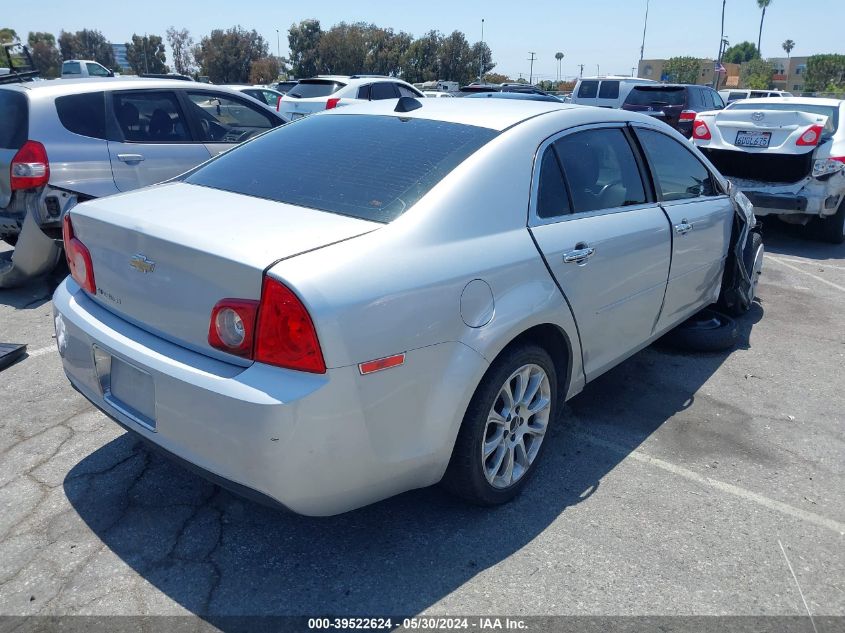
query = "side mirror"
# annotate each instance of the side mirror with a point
(111, 73)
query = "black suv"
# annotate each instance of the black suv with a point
(675, 104)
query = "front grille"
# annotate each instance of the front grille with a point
(762, 167)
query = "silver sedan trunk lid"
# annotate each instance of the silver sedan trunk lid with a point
(164, 256)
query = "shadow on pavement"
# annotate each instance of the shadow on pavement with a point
(216, 554)
(37, 292)
(789, 239)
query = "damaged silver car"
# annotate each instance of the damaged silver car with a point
(787, 155)
(66, 141)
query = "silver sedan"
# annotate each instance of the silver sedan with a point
(384, 297)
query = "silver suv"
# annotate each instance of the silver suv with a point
(66, 141)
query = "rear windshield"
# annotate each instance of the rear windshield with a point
(588, 90)
(307, 89)
(71, 68)
(831, 112)
(649, 96)
(368, 167)
(14, 119)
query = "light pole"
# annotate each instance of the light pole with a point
(531, 59)
(721, 47)
(645, 25)
(146, 65)
(278, 45)
(481, 60)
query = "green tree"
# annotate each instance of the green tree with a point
(343, 49)
(683, 70)
(87, 44)
(386, 50)
(145, 54)
(456, 60)
(226, 56)
(757, 74)
(45, 55)
(304, 44)
(8, 36)
(740, 53)
(482, 58)
(264, 70)
(496, 78)
(181, 44)
(825, 73)
(763, 4)
(422, 61)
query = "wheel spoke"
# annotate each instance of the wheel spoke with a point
(497, 465)
(538, 405)
(508, 474)
(521, 454)
(536, 426)
(494, 442)
(534, 384)
(523, 379)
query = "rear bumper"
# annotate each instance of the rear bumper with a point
(316, 444)
(811, 196)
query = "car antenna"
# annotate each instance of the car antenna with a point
(406, 104)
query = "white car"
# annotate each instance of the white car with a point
(77, 68)
(606, 91)
(737, 94)
(436, 94)
(333, 91)
(263, 94)
(786, 154)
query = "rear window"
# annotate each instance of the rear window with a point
(588, 90)
(14, 119)
(831, 112)
(368, 167)
(308, 89)
(736, 95)
(71, 68)
(642, 96)
(609, 90)
(83, 114)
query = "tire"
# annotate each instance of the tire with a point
(730, 301)
(706, 331)
(831, 229)
(475, 478)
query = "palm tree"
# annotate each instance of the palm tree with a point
(763, 4)
(788, 45)
(558, 57)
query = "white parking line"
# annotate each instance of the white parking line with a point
(41, 351)
(808, 262)
(804, 272)
(748, 495)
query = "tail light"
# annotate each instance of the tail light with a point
(232, 326)
(810, 137)
(279, 103)
(78, 257)
(700, 131)
(826, 166)
(687, 116)
(30, 167)
(331, 104)
(276, 330)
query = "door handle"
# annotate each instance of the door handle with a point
(579, 255)
(683, 228)
(130, 158)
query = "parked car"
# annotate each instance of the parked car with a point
(436, 94)
(530, 96)
(328, 92)
(674, 104)
(787, 155)
(62, 142)
(284, 86)
(423, 318)
(605, 92)
(736, 94)
(267, 96)
(79, 68)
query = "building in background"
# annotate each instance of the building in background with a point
(789, 73)
(120, 57)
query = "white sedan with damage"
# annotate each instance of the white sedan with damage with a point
(787, 155)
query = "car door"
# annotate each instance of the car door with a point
(221, 120)
(604, 239)
(149, 138)
(701, 218)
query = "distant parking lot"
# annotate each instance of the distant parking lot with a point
(709, 484)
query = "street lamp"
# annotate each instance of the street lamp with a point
(278, 45)
(481, 55)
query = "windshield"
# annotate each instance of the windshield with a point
(368, 167)
(649, 96)
(831, 112)
(308, 89)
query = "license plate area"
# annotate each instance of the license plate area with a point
(752, 139)
(125, 387)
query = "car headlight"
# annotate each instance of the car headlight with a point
(826, 166)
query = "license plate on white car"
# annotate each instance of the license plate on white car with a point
(752, 139)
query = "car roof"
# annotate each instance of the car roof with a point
(495, 114)
(795, 100)
(60, 87)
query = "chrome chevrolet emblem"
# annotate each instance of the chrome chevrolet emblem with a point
(140, 263)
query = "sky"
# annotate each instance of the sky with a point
(603, 35)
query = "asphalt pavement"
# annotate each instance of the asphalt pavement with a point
(698, 484)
